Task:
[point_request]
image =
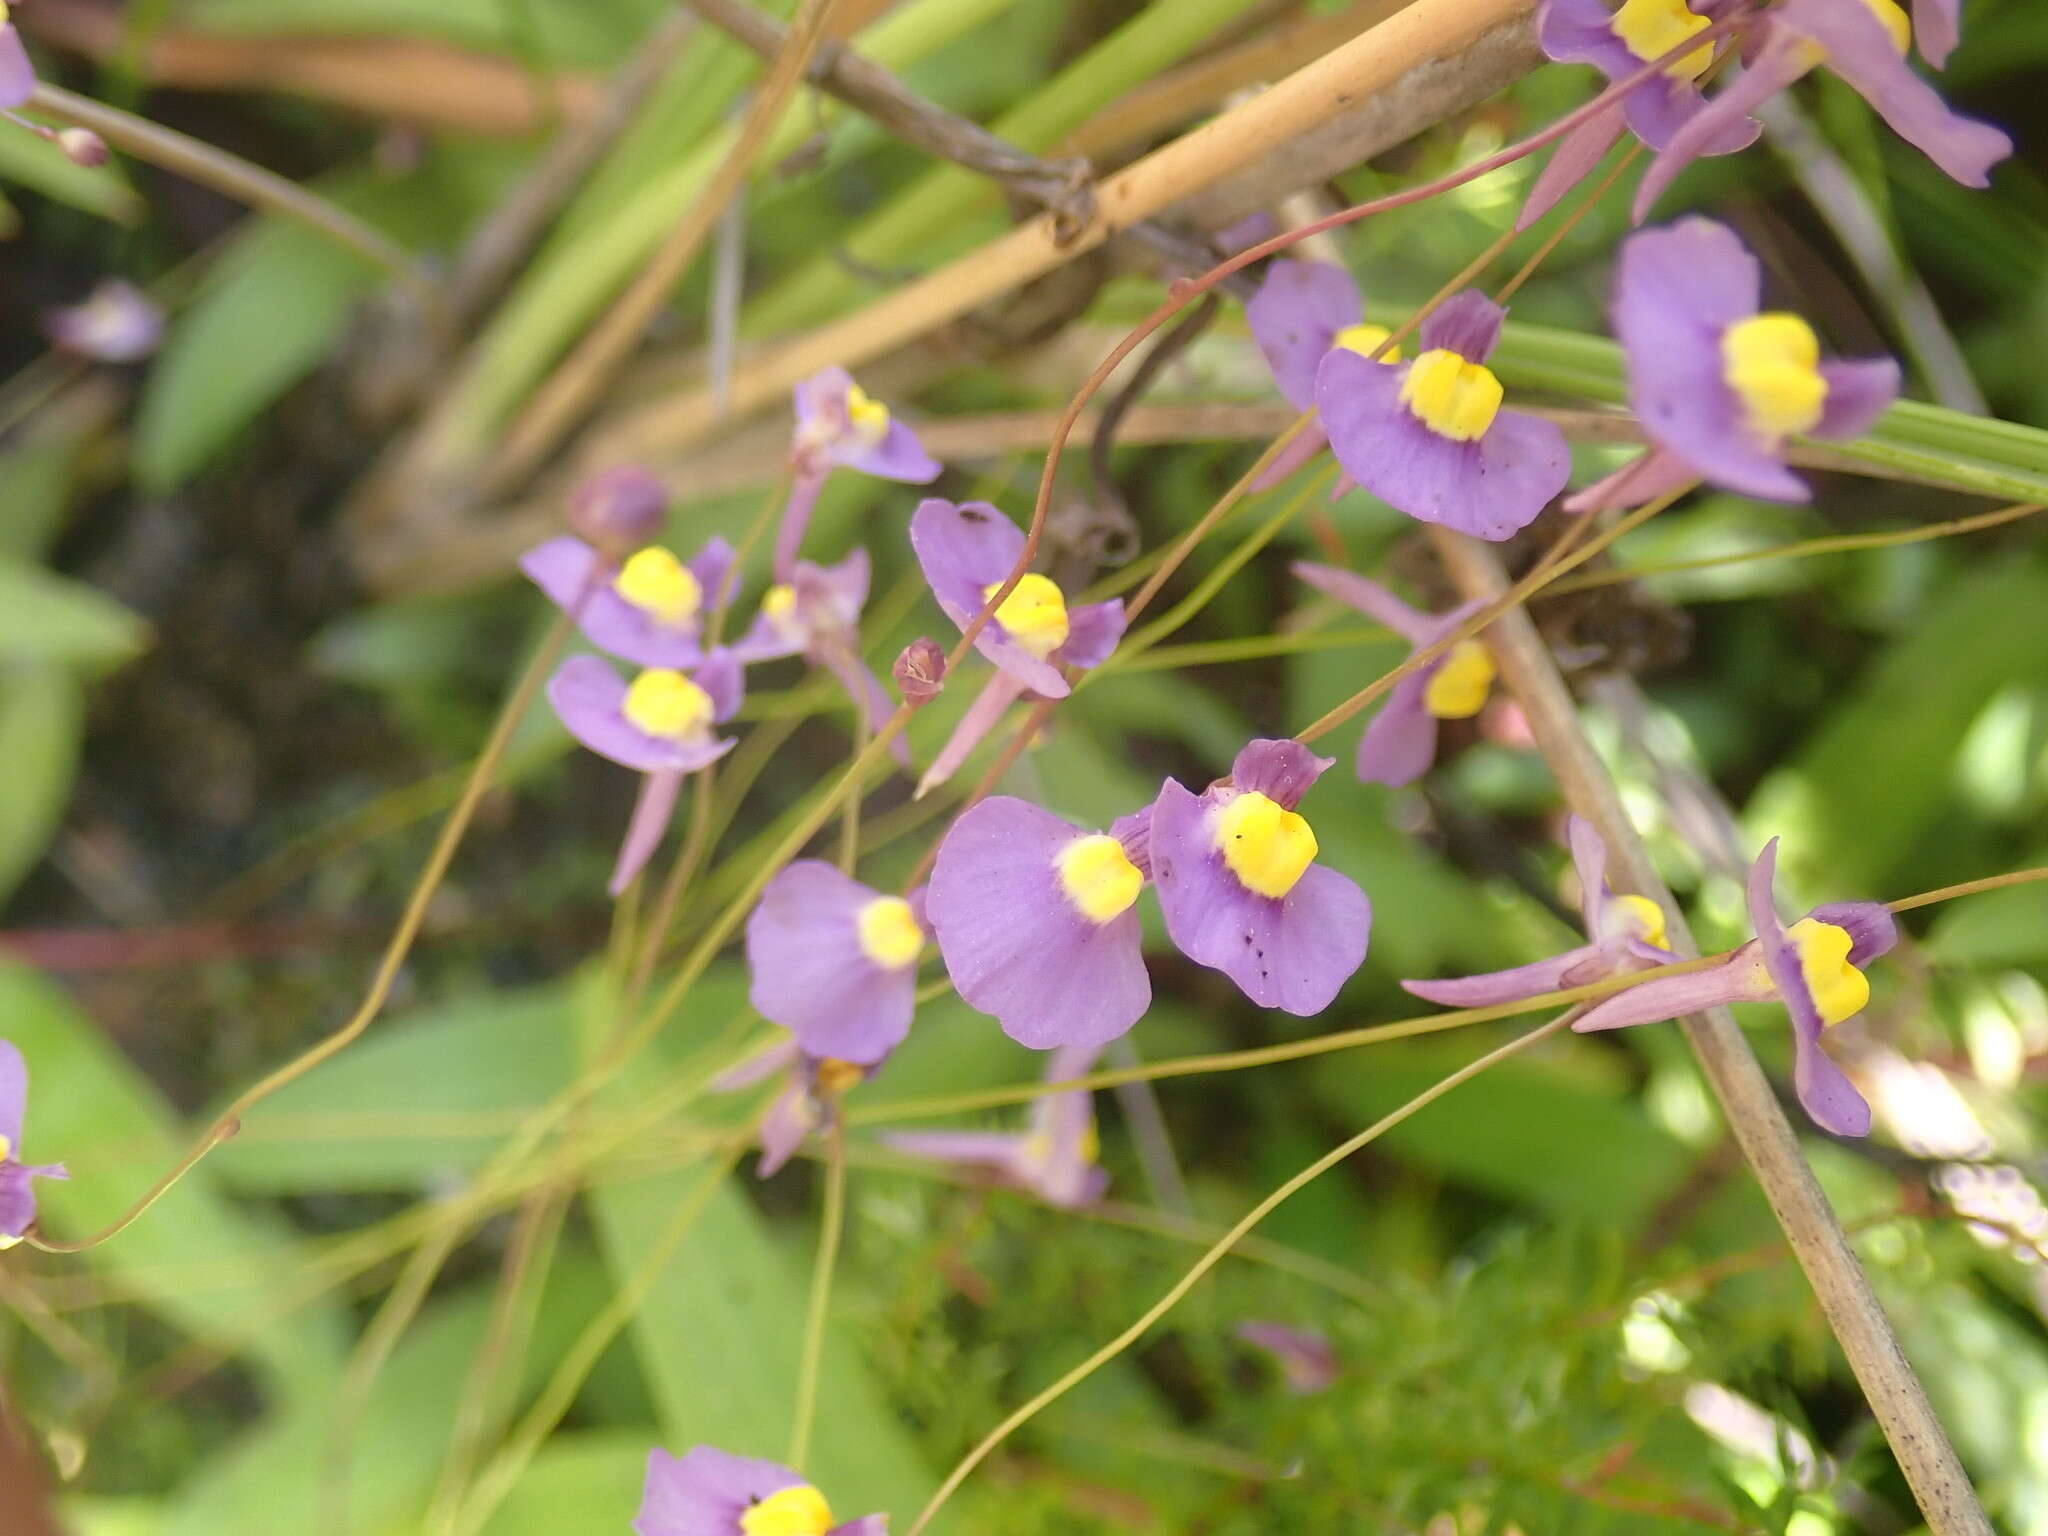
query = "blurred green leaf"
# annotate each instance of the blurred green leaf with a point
(46, 618)
(42, 724)
(580, 1482)
(36, 163)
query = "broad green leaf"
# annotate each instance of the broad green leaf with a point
(212, 1270)
(589, 1481)
(36, 486)
(49, 618)
(42, 723)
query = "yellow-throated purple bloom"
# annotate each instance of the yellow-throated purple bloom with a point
(1719, 383)
(648, 608)
(1302, 310)
(1036, 920)
(1618, 40)
(661, 724)
(1814, 967)
(1054, 1159)
(812, 1085)
(1429, 437)
(709, 1492)
(17, 1179)
(1865, 43)
(834, 962)
(18, 83)
(116, 323)
(1400, 743)
(816, 615)
(1624, 933)
(840, 425)
(1237, 879)
(967, 551)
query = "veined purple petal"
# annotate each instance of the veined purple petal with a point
(1937, 28)
(17, 75)
(1737, 979)
(1776, 59)
(569, 571)
(1572, 161)
(1367, 596)
(1859, 49)
(1467, 323)
(1135, 833)
(811, 975)
(1491, 488)
(1399, 742)
(1858, 393)
(1512, 985)
(1872, 929)
(1293, 952)
(1295, 317)
(653, 808)
(590, 698)
(1093, 631)
(705, 1491)
(1015, 943)
(1678, 290)
(965, 549)
(1281, 769)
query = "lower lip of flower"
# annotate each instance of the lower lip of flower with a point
(867, 416)
(1895, 22)
(660, 585)
(665, 704)
(1450, 396)
(889, 934)
(1034, 614)
(1772, 362)
(1265, 845)
(1839, 990)
(1458, 689)
(798, 1511)
(1099, 877)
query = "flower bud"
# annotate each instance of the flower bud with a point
(920, 672)
(83, 147)
(619, 511)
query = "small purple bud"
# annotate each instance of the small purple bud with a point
(920, 672)
(84, 147)
(619, 511)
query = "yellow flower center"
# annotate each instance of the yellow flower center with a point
(836, 1077)
(1772, 361)
(1266, 846)
(1457, 690)
(779, 603)
(3, 13)
(798, 1511)
(867, 415)
(889, 934)
(1840, 991)
(1649, 29)
(656, 582)
(1451, 397)
(1034, 614)
(667, 704)
(1895, 22)
(1038, 1147)
(1647, 917)
(1098, 877)
(6, 1145)
(1365, 339)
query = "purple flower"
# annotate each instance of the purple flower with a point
(1428, 436)
(816, 614)
(1302, 310)
(661, 724)
(1717, 382)
(709, 1492)
(1241, 891)
(17, 74)
(17, 1179)
(1054, 1159)
(839, 425)
(1036, 921)
(1400, 743)
(812, 1087)
(1937, 28)
(117, 323)
(619, 509)
(1815, 968)
(1307, 1361)
(1864, 42)
(1626, 933)
(648, 608)
(834, 962)
(920, 671)
(967, 551)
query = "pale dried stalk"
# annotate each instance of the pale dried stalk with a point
(1376, 60)
(1759, 1125)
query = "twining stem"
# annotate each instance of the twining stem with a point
(1213, 1256)
(1970, 888)
(832, 1228)
(402, 938)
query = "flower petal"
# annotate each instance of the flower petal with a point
(1660, 998)
(810, 974)
(653, 808)
(898, 456)
(1512, 985)
(1572, 161)
(1858, 393)
(1282, 770)
(1778, 59)
(1015, 944)
(569, 572)
(1307, 444)
(1589, 861)
(1467, 323)
(1399, 743)
(17, 74)
(590, 699)
(705, 1491)
(1093, 630)
(784, 1129)
(1295, 317)
(1937, 28)
(1367, 596)
(13, 1093)
(1872, 929)
(965, 549)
